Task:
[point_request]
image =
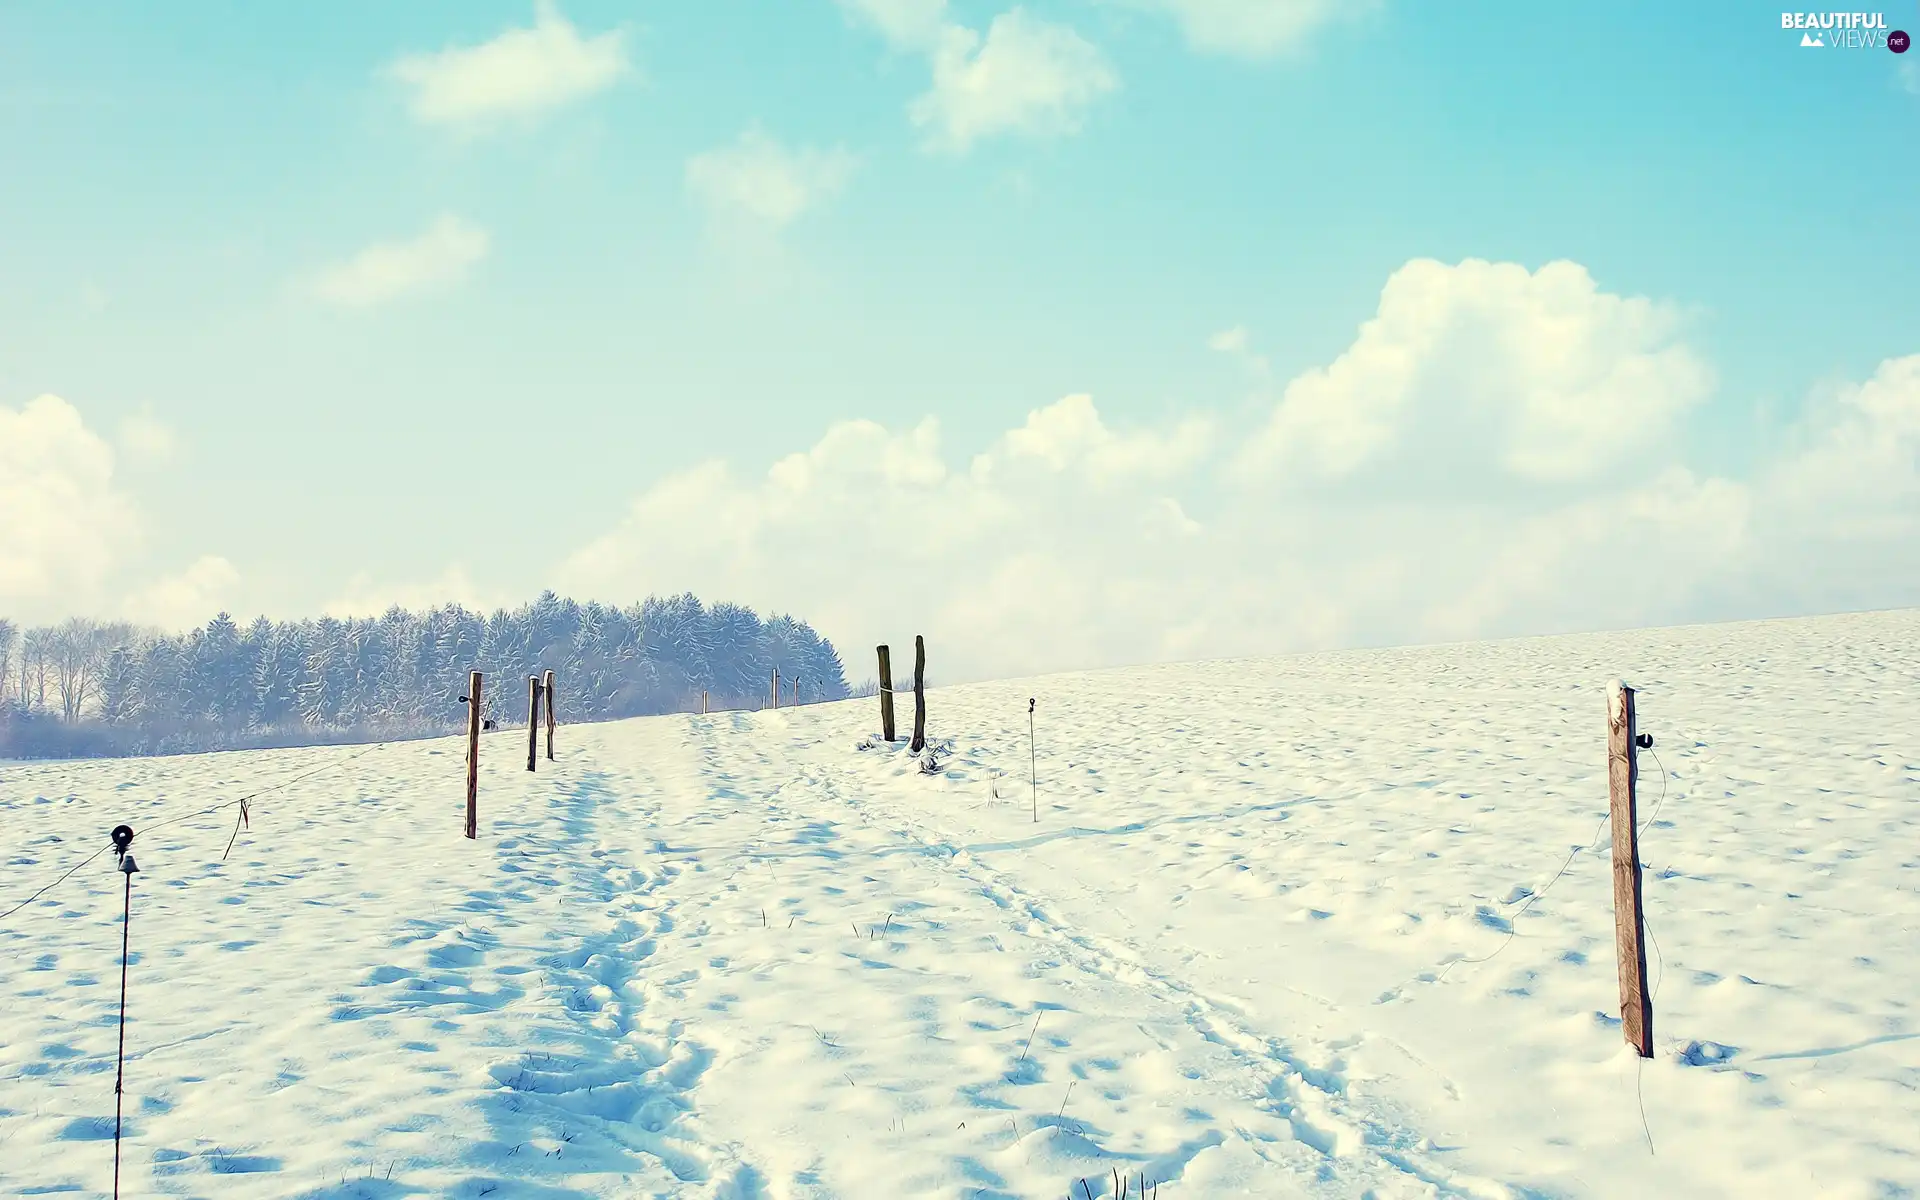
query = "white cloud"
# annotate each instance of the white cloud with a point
(1073, 541)
(520, 73)
(1236, 343)
(186, 600)
(363, 596)
(1540, 373)
(1619, 557)
(1229, 341)
(144, 438)
(1861, 447)
(1837, 520)
(1069, 435)
(388, 270)
(1253, 28)
(906, 24)
(758, 181)
(69, 528)
(65, 521)
(872, 525)
(1025, 76)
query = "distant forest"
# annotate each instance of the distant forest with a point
(87, 688)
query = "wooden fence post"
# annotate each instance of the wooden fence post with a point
(1629, 922)
(473, 753)
(533, 720)
(796, 691)
(886, 693)
(776, 689)
(546, 691)
(919, 694)
(703, 703)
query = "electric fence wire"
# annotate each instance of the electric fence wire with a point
(56, 883)
(1513, 923)
(242, 803)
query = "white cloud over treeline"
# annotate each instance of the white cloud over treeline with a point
(1498, 450)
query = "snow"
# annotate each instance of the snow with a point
(1288, 927)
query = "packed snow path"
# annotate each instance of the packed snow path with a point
(765, 955)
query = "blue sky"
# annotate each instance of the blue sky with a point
(461, 301)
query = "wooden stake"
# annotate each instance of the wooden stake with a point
(776, 688)
(546, 689)
(796, 691)
(1629, 921)
(886, 693)
(533, 721)
(473, 753)
(919, 694)
(703, 704)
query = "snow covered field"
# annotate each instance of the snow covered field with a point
(742, 956)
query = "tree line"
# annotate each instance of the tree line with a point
(91, 688)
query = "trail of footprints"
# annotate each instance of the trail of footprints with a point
(616, 1086)
(1350, 1135)
(612, 1092)
(636, 1087)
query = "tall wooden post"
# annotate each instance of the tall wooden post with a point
(473, 753)
(796, 691)
(546, 698)
(533, 721)
(919, 694)
(1629, 922)
(776, 688)
(703, 703)
(886, 693)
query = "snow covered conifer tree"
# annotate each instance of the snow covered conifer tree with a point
(278, 673)
(118, 679)
(324, 682)
(740, 662)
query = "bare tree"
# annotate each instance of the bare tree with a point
(36, 653)
(79, 649)
(9, 633)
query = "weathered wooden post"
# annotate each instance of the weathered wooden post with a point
(776, 687)
(919, 694)
(533, 721)
(546, 694)
(703, 703)
(796, 691)
(1629, 922)
(886, 693)
(473, 752)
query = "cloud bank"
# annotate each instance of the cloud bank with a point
(66, 519)
(71, 529)
(1496, 452)
(1493, 454)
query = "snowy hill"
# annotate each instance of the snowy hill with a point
(1281, 928)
